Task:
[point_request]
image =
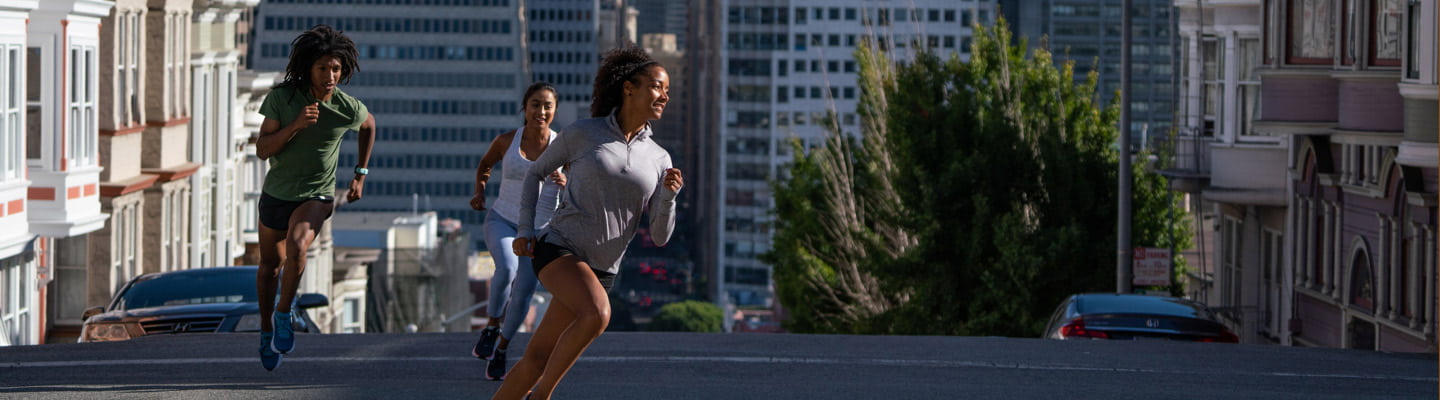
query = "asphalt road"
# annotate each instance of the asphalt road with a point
(717, 366)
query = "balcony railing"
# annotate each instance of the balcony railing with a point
(1189, 154)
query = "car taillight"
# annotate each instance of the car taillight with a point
(1225, 337)
(1076, 329)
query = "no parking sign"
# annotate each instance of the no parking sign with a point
(1152, 267)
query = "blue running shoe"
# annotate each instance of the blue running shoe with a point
(284, 333)
(268, 357)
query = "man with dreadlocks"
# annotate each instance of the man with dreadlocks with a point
(306, 115)
(616, 172)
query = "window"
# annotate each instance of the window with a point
(1388, 21)
(1211, 62)
(81, 139)
(1312, 32)
(127, 69)
(15, 325)
(1271, 256)
(12, 153)
(1412, 64)
(353, 318)
(124, 242)
(67, 296)
(1230, 285)
(745, 275)
(1249, 84)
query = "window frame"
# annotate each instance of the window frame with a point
(1292, 16)
(1374, 37)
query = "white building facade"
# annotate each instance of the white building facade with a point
(49, 168)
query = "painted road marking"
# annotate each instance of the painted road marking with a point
(737, 360)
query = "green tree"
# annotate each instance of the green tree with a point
(984, 190)
(688, 316)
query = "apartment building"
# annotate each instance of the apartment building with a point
(1311, 136)
(49, 162)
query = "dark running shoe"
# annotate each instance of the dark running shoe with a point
(486, 345)
(284, 333)
(269, 358)
(495, 371)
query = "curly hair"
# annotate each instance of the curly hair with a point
(320, 41)
(616, 67)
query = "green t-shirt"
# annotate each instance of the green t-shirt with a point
(305, 168)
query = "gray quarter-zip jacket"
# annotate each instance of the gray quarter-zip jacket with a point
(610, 182)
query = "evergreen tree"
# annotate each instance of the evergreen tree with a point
(983, 194)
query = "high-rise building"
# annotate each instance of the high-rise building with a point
(1087, 32)
(662, 16)
(781, 67)
(443, 78)
(561, 38)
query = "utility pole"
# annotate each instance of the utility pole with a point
(1123, 253)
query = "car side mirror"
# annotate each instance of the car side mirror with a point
(312, 300)
(90, 312)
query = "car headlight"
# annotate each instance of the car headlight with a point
(105, 332)
(248, 323)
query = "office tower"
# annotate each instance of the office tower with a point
(443, 78)
(1087, 32)
(662, 16)
(562, 36)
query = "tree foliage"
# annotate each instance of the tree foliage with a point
(979, 194)
(688, 316)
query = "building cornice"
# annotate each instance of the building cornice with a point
(1419, 91)
(173, 173)
(1418, 154)
(1366, 75)
(127, 186)
(19, 5)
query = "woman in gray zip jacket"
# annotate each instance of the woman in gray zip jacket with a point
(616, 171)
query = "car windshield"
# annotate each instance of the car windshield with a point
(232, 286)
(1140, 305)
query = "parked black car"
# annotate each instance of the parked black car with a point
(199, 300)
(1135, 317)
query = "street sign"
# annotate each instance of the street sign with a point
(1152, 267)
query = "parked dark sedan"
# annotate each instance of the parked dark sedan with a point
(199, 300)
(1135, 317)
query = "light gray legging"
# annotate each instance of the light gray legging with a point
(514, 281)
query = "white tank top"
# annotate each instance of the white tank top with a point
(512, 171)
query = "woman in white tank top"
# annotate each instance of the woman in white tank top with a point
(514, 281)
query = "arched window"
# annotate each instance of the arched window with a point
(1362, 283)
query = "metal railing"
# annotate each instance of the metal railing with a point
(1186, 151)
